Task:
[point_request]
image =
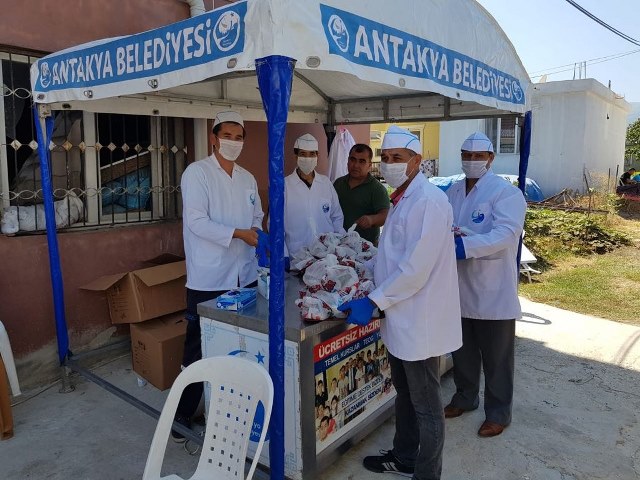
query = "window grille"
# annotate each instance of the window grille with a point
(106, 168)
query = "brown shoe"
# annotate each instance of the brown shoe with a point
(452, 412)
(490, 429)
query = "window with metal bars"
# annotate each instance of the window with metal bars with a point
(106, 168)
(504, 133)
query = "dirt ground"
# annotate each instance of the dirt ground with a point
(576, 417)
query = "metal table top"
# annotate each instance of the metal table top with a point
(256, 317)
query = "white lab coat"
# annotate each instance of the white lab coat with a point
(308, 212)
(214, 205)
(339, 154)
(415, 276)
(494, 211)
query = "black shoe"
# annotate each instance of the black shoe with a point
(386, 463)
(177, 436)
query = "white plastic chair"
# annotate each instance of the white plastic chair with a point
(526, 259)
(7, 357)
(237, 385)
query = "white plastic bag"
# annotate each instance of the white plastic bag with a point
(10, 224)
(314, 273)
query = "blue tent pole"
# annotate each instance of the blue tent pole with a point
(525, 150)
(52, 240)
(275, 79)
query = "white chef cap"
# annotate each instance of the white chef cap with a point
(228, 116)
(306, 142)
(477, 142)
(397, 137)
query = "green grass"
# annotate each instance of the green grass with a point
(606, 286)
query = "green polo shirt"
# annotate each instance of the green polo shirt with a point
(368, 198)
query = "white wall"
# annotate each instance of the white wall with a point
(452, 134)
(570, 132)
(577, 125)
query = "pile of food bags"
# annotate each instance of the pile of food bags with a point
(334, 272)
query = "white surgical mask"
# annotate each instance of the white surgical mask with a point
(474, 168)
(307, 164)
(395, 174)
(230, 149)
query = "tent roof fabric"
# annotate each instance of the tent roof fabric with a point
(404, 57)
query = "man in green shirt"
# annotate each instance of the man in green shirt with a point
(363, 199)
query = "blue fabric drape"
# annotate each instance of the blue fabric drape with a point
(525, 149)
(275, 80)
(52, 239)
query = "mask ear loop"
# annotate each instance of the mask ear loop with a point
(409, 174)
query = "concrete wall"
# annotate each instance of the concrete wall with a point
(577, 125)
(452, 134)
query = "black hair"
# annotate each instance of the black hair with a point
(362, 147)
(216, 129)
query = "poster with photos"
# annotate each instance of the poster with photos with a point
(352, 380)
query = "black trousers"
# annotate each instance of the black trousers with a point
(419, 437)
(488, 344)
(193, 349)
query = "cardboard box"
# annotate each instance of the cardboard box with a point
(143, 294)
(157, 347)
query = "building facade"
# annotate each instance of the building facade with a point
(116, 179)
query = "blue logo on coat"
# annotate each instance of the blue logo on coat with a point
(477, 216)
(252, 198)
(326, 208)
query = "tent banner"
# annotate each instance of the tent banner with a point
(372, 44)
(155, 54)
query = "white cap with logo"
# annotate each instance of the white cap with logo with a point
(306, 142)
(397, 137)
(477, 142)
(228, 116)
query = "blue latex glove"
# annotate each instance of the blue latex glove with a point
(360, 311)
(262, 249)
(460, 253)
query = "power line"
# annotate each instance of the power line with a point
(606, 58)
(604, 24)
(593, 61)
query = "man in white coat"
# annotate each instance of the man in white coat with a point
(488, 217)
(417, 289)
(311, 205)
(221, 215)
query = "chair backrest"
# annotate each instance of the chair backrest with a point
(237, 385)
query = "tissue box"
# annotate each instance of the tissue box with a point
(236, 299)
(263, 282)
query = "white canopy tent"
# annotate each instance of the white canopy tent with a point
(289, 61)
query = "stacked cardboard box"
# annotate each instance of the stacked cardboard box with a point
(153, 301)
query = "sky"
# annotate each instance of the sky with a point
(553, 33)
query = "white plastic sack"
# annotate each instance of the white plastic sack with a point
(10, 224)
(68, 211)
(26, 218)
(313, 275)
